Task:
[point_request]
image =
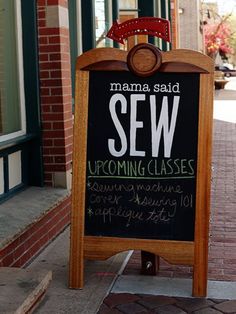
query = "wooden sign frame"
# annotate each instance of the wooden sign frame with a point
(193, 253)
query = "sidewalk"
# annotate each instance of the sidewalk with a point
(222, 242)
(130, 293)
(59, 299)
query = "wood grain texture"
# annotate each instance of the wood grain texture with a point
(107, 66)
(180, 67)
(203, 188)
(98, 55)
(184, 56)
(79, 181)
(144, 59)
(177, 252)
(188, 56)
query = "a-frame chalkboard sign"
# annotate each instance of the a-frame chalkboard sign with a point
(141, 161)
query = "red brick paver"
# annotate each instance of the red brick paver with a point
(150, 304)
(222, 241)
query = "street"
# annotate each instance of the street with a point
(226, 111)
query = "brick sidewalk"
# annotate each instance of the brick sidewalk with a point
(222, 242)
(125, 303)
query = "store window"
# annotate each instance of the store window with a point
(128, 4)
(90, 21)
(103, 18)
(12, 104)
(20, 136)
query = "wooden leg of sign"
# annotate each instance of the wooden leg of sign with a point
(149, 263)
(200, 269)
(76, 267)
(203, 187)
(76, 276)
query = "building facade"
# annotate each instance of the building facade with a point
(190, 28)
(40, 40)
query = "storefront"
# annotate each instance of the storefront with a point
(39, 42)
(19, 102)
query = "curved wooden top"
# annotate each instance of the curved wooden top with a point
(144, 59)
(96, 55)
(178, 60)
(187, 56)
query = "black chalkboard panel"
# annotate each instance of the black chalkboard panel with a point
(142, 155)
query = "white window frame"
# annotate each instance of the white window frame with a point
(79, 28)
(19, 46)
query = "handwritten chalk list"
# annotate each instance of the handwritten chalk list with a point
(142, 155)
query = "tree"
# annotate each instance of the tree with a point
(232, 40)
(217, 36)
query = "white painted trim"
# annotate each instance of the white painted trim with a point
(79, 27)
(1, 177)
(159, 15)
(15, 172)
(10, 136)
(110, 14)
(168, 18)
(167, 9)
(18, 30)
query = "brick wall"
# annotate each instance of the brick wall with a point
(56, 97)
(57, 123)
(30, 242)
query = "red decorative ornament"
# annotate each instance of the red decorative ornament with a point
(152, 26)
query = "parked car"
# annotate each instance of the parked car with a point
(226, 70)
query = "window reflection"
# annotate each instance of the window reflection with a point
(10, 98)
(103, 18)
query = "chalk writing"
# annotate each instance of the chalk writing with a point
(142, 168)
(149, 203)
(119, 100)
(141, 155)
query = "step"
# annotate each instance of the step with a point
(21, 290)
